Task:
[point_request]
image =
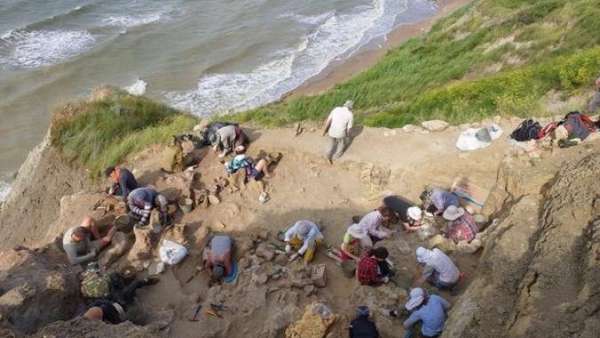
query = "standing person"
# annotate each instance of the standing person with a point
(461, 225)
(409, 215)
(338, 126)
(438, 269)
(217, 257)
(594, 103)
(82, 243)
(372, 268)
(123, 181)
(362, 326)
(373, 224)
(304, 237)
(429, 310)
(141, 201)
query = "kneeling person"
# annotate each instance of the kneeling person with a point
(438, 268)
(82, 243)
(373, 268)
(141, 201)
(304, 237)
(217, 257)
(429, 310)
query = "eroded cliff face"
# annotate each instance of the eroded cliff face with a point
(34, 201)
(539, 275)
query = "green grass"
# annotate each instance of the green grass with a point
(452, 72)
(105, 132)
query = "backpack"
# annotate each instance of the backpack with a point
(527, 130)
(579, 125)
(95, 285)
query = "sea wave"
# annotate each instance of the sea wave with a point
(31, 49)
(129, 21)
(335, 38)
(307, 19)
(138, 88)
(4, 190)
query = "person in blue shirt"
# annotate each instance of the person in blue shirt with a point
(429, 310)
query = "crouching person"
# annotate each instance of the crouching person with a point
(82, 243)
(362, 326)
(141, 201)
(427, 310)
(123, 181)
(217, 258)
(438, 269)
(373, 268)
(112, 295)
(303, 237)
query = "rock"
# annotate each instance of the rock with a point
(281, 259)
(119, 244)
(309, 290)
(83, 328)
(265, 252)
(156, 268)
(409, 128)
(318, 275)
(260, 277)
(403, 247)
(142, 247)
(34, 280)
(244, 263)
(315, 322)
(243, 245)
(442, 243)
(435, 125)
(213, 199)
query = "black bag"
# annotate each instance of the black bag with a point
(527, 130)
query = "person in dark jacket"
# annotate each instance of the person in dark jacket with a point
(123, 181)
(113, 309)
(141, 201)
(362, 326)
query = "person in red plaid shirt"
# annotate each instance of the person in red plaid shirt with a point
(369, 271)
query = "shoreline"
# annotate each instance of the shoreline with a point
(356, 64)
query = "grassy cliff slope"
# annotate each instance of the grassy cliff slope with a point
(491, 57)
(104, 130)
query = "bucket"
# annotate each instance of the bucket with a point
(186, 205)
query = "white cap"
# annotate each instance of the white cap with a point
(416, 298)
(415, 213)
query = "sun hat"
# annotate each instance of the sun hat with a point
(453, 213)
(423, 254)
(415, 213)
(357, 231)
(416, 298)
(349, 104)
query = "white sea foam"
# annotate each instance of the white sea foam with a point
(129, 21)
(307, 19)
(4, 190)
(42, 48)
(337, 37)
(138, 88)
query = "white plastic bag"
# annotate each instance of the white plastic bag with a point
(171, 253)
(468, 141)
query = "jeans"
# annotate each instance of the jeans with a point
(336, 148)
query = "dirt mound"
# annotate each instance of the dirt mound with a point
(538, 276)
(91, 329)
(36, 289)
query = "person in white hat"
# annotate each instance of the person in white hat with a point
(303, 237)
(438, 268)
(356, 241)
(461, 224)
(409, 214)
(430, 310)
(338, 126)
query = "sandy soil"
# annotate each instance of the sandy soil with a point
(306, 186)
(339, 73)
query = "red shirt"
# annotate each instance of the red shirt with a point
(367, 271)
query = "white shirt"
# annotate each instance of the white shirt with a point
(341, 119)
(441, 263)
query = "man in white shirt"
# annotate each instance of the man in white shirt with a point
(337, 127)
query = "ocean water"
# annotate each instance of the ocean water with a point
(203, 56)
